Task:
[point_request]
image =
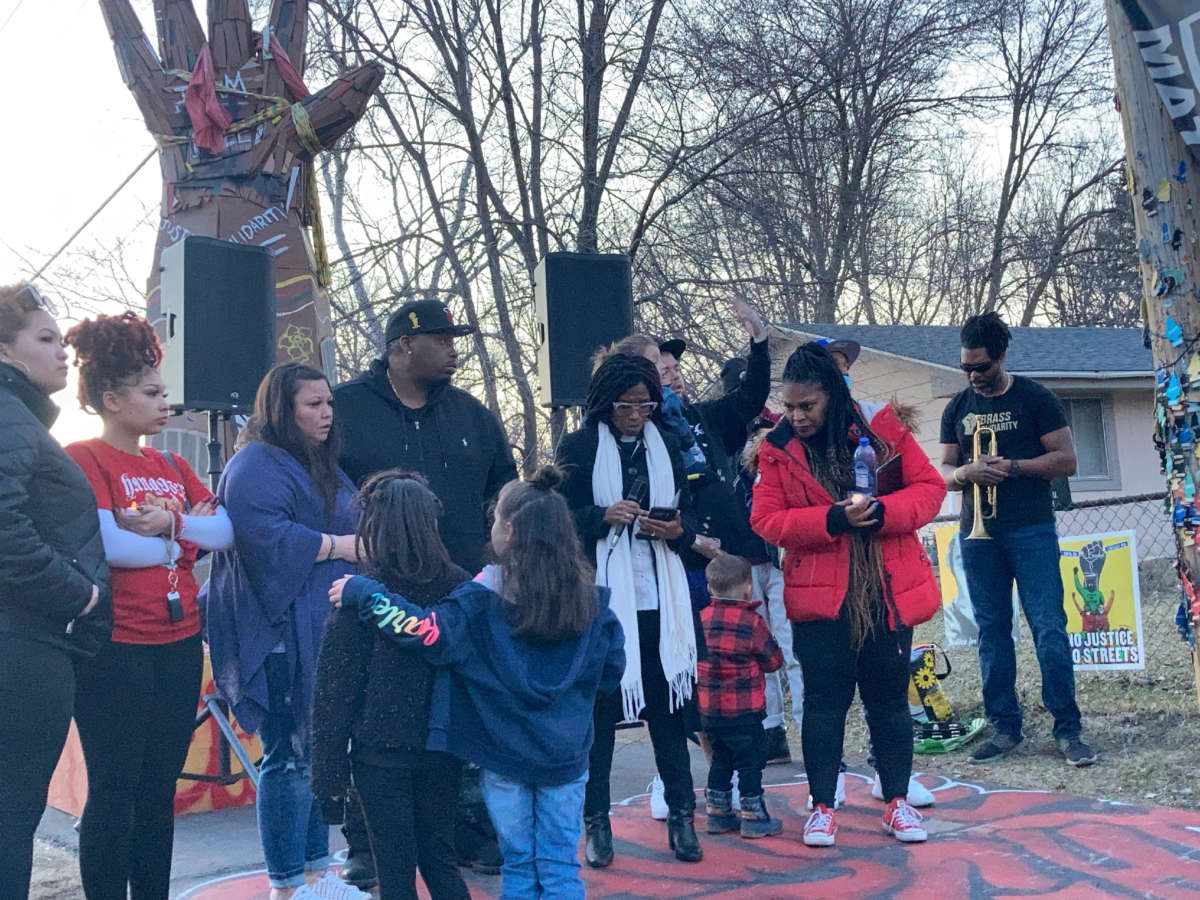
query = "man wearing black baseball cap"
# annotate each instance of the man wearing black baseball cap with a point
(404, 413)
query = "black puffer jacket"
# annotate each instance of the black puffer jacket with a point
(50, 548)
(371, 693)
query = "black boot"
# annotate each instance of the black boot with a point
(721, 817)
(756, 821)
(777, 747)
(599, 848)
(359, 868)
(681, 835)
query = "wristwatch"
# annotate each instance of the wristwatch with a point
(1014, 468)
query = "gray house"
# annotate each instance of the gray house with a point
(1104, 377)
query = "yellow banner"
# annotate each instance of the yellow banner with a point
(1100, 595)
(1103, 603)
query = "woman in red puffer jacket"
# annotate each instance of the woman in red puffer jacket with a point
(856, 576)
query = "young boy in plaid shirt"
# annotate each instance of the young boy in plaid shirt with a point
(732, 703)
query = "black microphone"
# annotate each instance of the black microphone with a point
(639, 491)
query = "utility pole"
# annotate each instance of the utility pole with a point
(1150, 41)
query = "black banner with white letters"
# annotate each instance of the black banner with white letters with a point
(1167, 33)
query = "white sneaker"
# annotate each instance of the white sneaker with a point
(736, 803)
(658, 800)
(918, 794)
(839, 793)
(329, 887)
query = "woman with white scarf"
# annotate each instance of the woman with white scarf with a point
(621, 452)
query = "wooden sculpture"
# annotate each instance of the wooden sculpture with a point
(237, 131)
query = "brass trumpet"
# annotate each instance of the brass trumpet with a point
(984, 497)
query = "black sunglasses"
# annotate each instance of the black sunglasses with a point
(976, 368)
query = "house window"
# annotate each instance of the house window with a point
(1092, 428)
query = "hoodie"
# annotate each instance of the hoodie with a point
(518, 707)
(453, 440)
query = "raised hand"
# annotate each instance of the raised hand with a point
(238, 131)
(749, 319)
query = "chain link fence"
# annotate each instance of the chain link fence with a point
(1147, 517)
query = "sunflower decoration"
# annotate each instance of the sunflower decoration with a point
(925, 678)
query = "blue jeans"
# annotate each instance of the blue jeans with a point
(1030, 555)
(293, 834)
(538, 828)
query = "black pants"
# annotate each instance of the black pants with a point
(668, 732)
(832, 668)
(740, 748)
(135, 707)
(37, 684)
(410, 819)
(354, 828)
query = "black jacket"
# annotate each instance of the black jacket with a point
(453, 440)
(50, 548)
(577, 455)
(719, 505)
(372, 694)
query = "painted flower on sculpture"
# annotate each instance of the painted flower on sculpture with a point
(297, 342)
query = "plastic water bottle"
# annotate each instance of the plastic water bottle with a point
(864, 468)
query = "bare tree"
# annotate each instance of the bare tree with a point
(1050, 64)
(504, 131)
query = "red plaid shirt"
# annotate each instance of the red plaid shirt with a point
(740, 650)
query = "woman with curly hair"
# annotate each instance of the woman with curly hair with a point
(54, 605)
(135, 702)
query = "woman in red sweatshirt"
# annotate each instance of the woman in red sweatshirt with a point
(135, 702)
(856, 577)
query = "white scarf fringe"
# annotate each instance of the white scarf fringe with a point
(677, 636)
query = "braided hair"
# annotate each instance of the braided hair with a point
(614, 377)
(112, 352)
(831, 450)
(830, 455)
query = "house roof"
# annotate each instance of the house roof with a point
(1045, 351)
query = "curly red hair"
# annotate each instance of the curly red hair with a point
(112, 352)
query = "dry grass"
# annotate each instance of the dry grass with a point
(1144, 724)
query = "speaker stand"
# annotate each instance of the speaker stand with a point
(215, 707)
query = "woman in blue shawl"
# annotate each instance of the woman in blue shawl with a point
(294, 518)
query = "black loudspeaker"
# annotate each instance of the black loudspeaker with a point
(583, 301)
(218, 306)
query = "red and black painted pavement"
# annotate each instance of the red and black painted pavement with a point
(984, 842)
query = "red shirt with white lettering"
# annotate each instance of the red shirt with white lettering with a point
(147, 478)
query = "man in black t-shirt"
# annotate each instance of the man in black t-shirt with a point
(1033, 447)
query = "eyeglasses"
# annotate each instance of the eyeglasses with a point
(39, 299)
(646, 409)
(976, 368)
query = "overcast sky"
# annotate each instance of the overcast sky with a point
(72, 134)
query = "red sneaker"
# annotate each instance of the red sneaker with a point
(820, 830)
(903, 822)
